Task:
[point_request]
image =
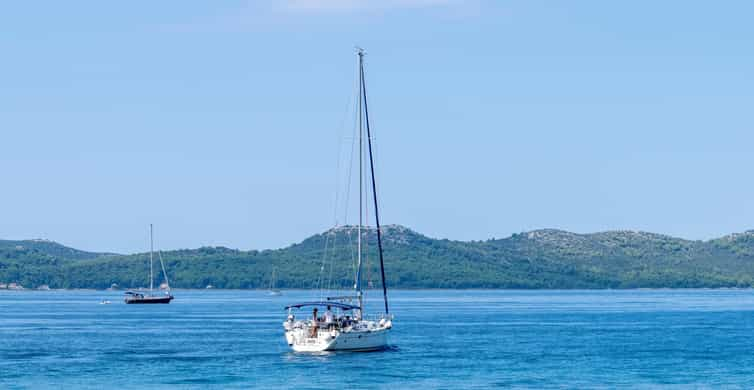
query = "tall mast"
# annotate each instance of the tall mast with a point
(151, 251)
(361, 196)
(363, 91)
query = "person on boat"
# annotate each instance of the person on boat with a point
(329, 319)
(314, 323)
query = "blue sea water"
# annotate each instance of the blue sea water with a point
(441, 339)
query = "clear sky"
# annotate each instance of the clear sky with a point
(220, 121)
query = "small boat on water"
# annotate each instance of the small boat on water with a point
(133, 297)
(344, 326)
(104, 302)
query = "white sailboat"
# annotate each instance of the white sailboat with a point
(344, 325)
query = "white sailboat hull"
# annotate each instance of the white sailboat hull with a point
(361, 341)
(337, 341)
(300, 339)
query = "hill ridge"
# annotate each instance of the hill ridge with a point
(391, 228)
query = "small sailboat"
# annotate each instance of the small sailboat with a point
(273, 291)
(344, 325)
(133, 297)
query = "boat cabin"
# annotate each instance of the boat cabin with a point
(341, 316)
(135, 295)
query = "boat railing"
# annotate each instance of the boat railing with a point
(377, 317)
(339, 323)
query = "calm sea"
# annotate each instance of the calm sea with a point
(442, 339)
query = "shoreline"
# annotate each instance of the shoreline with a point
(26, 290)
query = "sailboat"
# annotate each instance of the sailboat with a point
(273, 291)
(139, 298)
(344, 325)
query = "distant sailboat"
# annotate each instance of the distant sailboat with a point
(273, 291)
(348, 328)
(139, 298)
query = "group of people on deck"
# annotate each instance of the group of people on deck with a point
(327, 321)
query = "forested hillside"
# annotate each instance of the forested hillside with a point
(538, 259)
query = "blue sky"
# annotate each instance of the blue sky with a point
(221, 122)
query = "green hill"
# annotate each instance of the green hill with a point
(537, 259)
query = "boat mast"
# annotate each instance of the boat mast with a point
(361, 197)
(151, 251)
(363, 90)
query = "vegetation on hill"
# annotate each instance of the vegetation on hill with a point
(538, 259)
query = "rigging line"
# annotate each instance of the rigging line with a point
(355, 94)
(328, 239)
(357, 282)
(376, 156)
(374, 151)
(353, 255)
(334, 246)
(344, 279)
(350, 247)
(374, 184)
(348, 191)
(332, 261)
(346, 205)
(164, 273)
(342, 126)
(318, 283)
(331, 256)
(350, 175)
(367, 262)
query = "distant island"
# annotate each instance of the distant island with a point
(539, 259)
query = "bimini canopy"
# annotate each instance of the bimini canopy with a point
(342, 306)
